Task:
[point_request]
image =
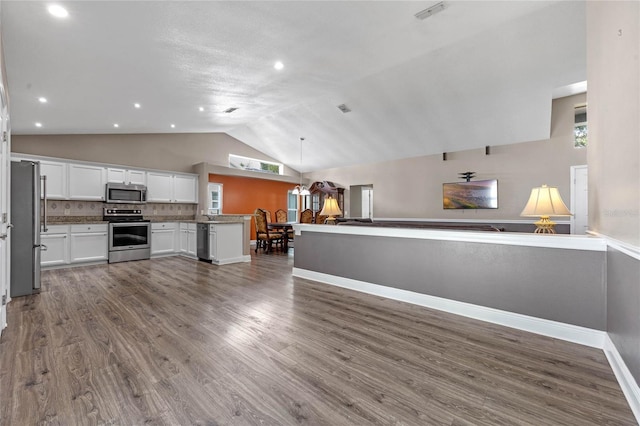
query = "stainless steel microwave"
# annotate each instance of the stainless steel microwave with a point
(120, 193)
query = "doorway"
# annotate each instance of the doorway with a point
(579, 200)
(361, 201)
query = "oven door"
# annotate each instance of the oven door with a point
(129, 235)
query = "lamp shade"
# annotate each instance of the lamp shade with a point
(545, 201)
(330, 208)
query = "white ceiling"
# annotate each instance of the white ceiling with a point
(478, 73)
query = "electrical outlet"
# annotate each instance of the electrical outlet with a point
(155, 211)
(67, 212)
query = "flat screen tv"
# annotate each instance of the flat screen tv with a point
(479, 194)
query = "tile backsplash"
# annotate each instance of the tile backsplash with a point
(95, 208)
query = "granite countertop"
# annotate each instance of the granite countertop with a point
(79, 220)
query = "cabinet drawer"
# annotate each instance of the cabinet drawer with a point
(89, 227)
(56, 229)
(164, 225)
(187, 226)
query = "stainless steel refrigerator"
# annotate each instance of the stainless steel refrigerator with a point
(25, 235)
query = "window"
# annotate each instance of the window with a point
(580, 126)
(253, 165)
(292, 207)
(215, 198)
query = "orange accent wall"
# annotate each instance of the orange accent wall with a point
(242, 195)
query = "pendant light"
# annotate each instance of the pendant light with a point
(300, 189)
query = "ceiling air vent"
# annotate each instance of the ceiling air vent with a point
(230, 110)
(344, 108)
(424, 14)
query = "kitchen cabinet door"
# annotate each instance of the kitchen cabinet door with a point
(86, 182)
(137, 177)
(225, 243)
(116, 175)
(164, 239)
(159, 187)
(56, 174)
(126, 176)
(192, 242)
(56, 250)
(185, 189)
(188, 239)
(89, 243)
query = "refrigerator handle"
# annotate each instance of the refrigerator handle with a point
(44, 197)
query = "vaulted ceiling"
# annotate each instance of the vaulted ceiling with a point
(476, 73)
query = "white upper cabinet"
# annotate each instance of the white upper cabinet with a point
(159, 187)
(86, 182)
(185, 189)
(81, 181)
(56, 184)
(134, 177)
(171, 188)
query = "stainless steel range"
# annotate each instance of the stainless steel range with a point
(129, 235)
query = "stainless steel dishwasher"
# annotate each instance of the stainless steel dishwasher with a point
(203, 242)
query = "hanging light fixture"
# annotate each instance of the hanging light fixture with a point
(300, 189)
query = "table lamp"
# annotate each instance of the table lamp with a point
(544, 202)
(330, 209)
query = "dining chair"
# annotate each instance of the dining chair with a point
(306, 216)
(281, 216)
(320, 218)
(265, 238)
(268, 214)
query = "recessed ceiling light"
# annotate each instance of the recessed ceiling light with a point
(58, 11)
(136, 105)
(42, 100)
(278, 65)
(173, 126)
(201, 109)
(116, 125)
(38, 124)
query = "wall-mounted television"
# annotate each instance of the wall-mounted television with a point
(479, 194)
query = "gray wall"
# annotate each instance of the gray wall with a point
(555, 284)
(623, 314)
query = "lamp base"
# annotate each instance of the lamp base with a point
(545, 226)
(330, 220)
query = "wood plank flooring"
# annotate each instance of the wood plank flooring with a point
(174, 341)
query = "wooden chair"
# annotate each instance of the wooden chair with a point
(268, 213)
(306, 216)
(281, 216)
(264, 238)
(321, 218)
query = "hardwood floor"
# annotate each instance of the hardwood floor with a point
(178, 342)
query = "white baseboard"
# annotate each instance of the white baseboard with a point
(243, 258)
(625, 378)
(572, 333)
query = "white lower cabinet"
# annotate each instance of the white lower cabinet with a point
(70, 244)
(163, 238)
(188, 239)
(89, 243)
(55, 242)
(225, 243)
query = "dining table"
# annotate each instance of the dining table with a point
(283, 227)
